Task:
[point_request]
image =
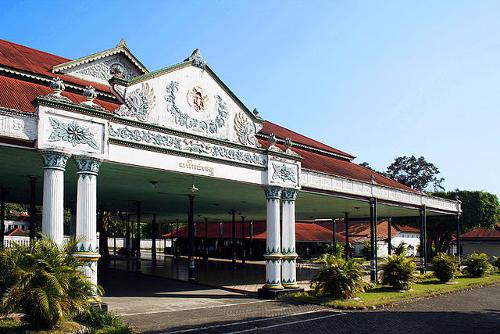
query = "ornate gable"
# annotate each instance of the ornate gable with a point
(102, 66)
(190, 98)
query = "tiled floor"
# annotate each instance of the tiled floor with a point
(246, 277)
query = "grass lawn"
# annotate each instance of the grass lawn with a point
(383, 295)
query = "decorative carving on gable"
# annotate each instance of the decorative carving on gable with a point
(183, 119)
(104, 69)
(192, 101)
(197, 99)
(138, 103)
(245, 130)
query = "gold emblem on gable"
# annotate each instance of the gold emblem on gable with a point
(197, 99)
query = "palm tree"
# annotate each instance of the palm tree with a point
(44, 282)
(337, 277)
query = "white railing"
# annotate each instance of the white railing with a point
(120, 242)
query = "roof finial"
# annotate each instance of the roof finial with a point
(90, 94)
(122, 43)
(272, 143)
(58, 87)
(197, 59)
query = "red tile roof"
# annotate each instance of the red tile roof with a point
(361, 229)
(20, 94)
(482, 233)
(39, 62)
(308, 232)
(406, 228)
(17, 232)
(339, 167)
(283, 133)
(303, 231)
(216, 230)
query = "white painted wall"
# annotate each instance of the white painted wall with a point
(489, 247)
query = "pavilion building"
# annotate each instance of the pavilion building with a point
(104, 132)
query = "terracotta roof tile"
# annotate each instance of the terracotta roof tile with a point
(20, 94)
(309, 232)
(483, 233)
(283, 133)
(343, 168)
(39, 62)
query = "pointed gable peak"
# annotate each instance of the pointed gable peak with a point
(197, 59)
(122, 43)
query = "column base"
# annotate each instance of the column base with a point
(264, 293)
(293, 285)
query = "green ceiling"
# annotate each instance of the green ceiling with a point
(120, 186)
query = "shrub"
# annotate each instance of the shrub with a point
(424, 277)
(338, 278)
(477, 265)
(401, 249)
(44, 282)
(339, 248)
(100, 321)
(496, 262)
(366, 251)
(399, 272)
(445, 266)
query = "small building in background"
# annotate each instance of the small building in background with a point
(359, 234)
(481, 240)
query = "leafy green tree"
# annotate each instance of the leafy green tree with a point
(43, 281)
(416, 173)
(479, 209)
(14, 210)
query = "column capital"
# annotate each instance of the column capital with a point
(87, 165)
(54, 159)
(289, 194)
(272, 192)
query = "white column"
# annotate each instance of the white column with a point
(54, 164)
(288, 267)
(273, 250)
(86, 210)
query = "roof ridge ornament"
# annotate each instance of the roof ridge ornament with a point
(288, 147)
(90, 95)
(272, 143)
(122, 43)
(58, 86)
(197, 59)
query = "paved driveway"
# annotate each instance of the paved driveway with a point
(157, 305)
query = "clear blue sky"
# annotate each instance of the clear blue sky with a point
(378, 79)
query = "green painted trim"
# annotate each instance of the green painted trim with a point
(70, 106)
(158, 73)
(148, 126)
(182, 154)
(102, 54)
(207, 69)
